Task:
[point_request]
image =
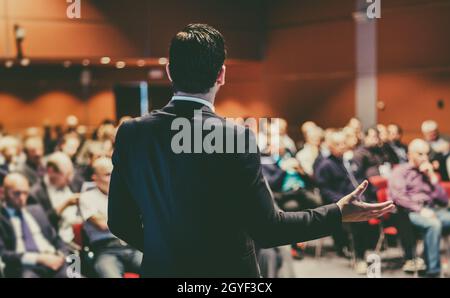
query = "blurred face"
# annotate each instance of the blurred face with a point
(70, 147)
(34, 154)
(382, 133)
(57, 179)
(102, 177)
(355, 124)
(371, 139)
(431, 135)
(16, 193)
(283, 127)
(351, 139)
(394, 133)
(94, 156)
(9, 153)
(419, 154)
(314, 137)
(338, 145)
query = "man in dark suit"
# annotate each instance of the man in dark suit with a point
(29, 246)
(33, 168)
(198, 214)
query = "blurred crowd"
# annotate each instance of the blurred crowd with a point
(54, 184)
(331, 162)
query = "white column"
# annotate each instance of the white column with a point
(366, 90)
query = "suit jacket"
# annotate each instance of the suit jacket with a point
(198, 215)
(30, 173)
(8, 253)
(39, 195)
(334, 181)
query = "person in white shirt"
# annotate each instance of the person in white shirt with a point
(112, 256)
(308, 155)
(285, 139)
(55, 195)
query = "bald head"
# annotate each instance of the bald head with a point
(17, 189)
(418, 151)
(102, 165)
(9, 147)
(308, 125)
(59, 169)
(102, 173)
(34, 149)
(418, 145)
(337, 143)
(430, 130)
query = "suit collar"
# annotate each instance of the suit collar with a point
(194, 99)
(181, 107)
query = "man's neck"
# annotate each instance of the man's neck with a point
(210, 96)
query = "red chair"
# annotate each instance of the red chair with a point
(382, 196)
(379, 182)
(130, 275)
(78, 233)
(446, 186)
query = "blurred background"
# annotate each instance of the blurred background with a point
(294, 59)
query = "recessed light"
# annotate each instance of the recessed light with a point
(141, 63)
(9, 63)
(25, 62)
(105, 60)
(163, 61)
(120, 64)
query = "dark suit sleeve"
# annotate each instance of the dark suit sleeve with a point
(11, 258)
(124, 218)
(39, 196)
(269, 226)
(49, 231)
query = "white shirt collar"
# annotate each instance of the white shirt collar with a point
(11, 211)
(194, 99)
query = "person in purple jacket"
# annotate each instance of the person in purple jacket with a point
(414, 187)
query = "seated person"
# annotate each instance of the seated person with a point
(112, 256)
(368, 157)
(395, 141)
(414, 187)
(83, 172)
(9, 153)
(55, 195)
(294, 189)
(285, 139)
(311, 150)
(335, 177)
(29, 246)
(389, 154)
(439, 147)
(33, 168)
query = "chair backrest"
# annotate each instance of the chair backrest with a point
(378, 181)
(446, 186)
(78, 233)
(382, 195)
